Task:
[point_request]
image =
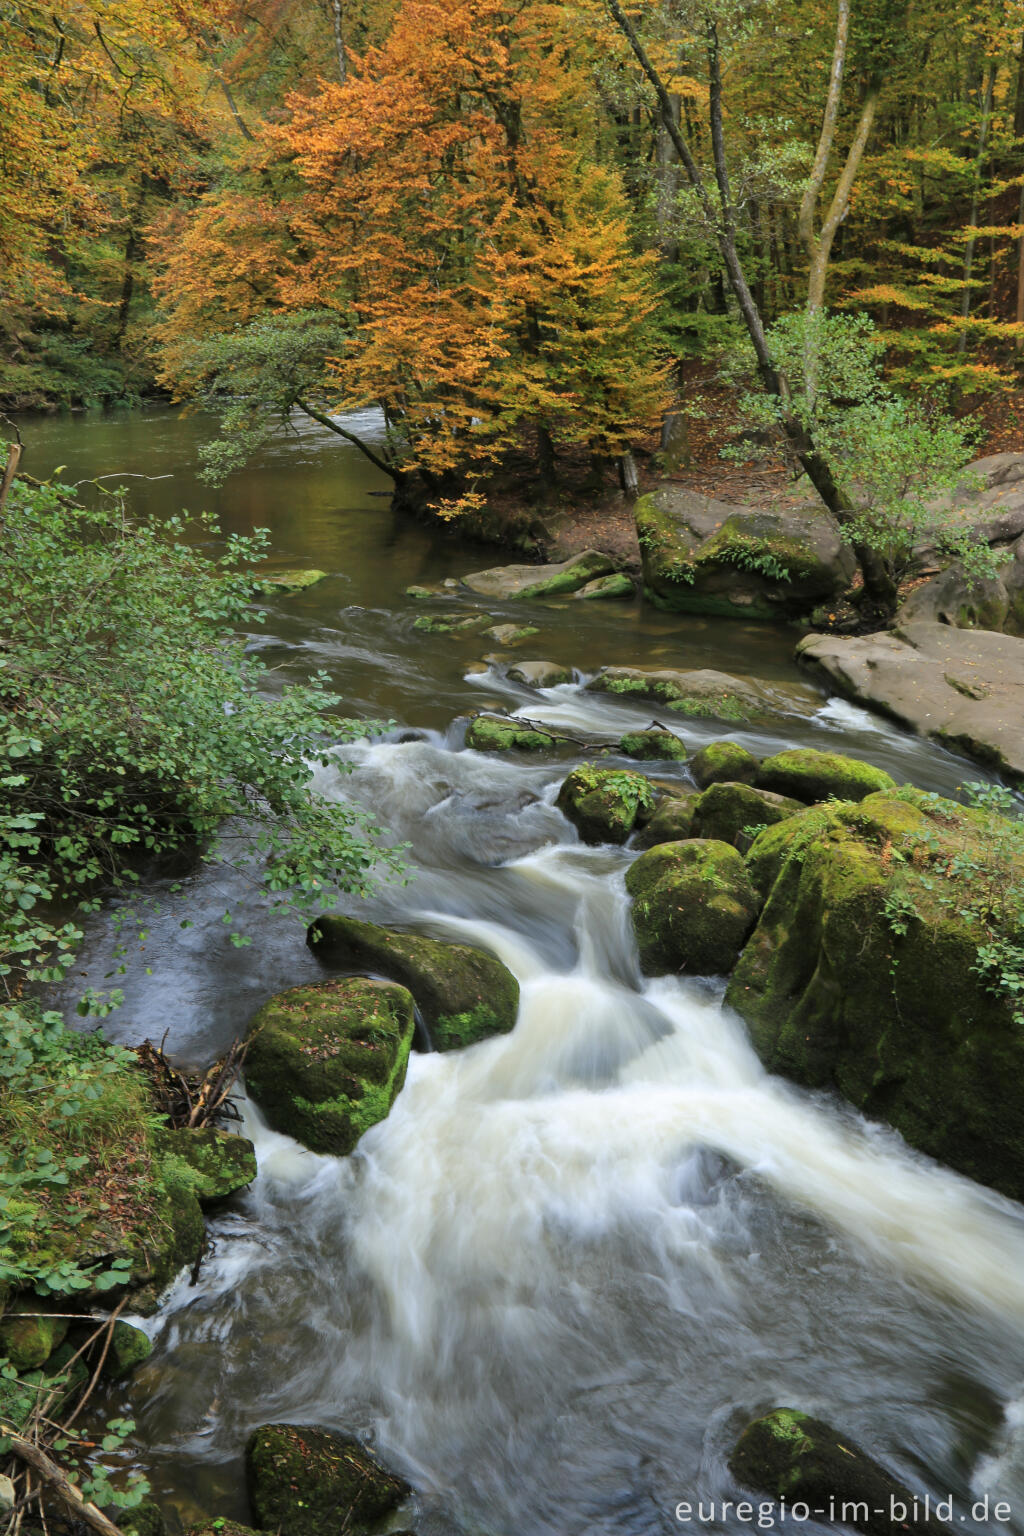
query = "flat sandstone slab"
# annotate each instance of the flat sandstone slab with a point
(962, 687)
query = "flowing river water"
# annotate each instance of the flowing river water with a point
(556, 1282)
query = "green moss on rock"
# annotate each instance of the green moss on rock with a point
(862, 975)
(724, 762)
(811, 776)
(463, 993)
(703, 694)
(219, 1163)
(288, 581)
(605, 804)
(309, 1482)
(653, 746)
(146, 1519)
(693, 907)
(792, 1456)
(672, 821)
(495, 733)
(326, 1062)
(221, 1527)
(28, 1339)
(449, 624)
(735, 813)
(128, 1348)
(606, 588)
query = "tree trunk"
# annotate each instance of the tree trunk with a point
(979, 160)
(629, 479)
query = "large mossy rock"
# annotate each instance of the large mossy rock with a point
(653, 746)
(811, 776)
(706, 556)
(862, 974)
(672, 821)
(703, 694)
(723, 762)
(735, 813)
(287, 581)
(529, 581)
(28, 1338)
(789, 1455)
(219, 1163)
(693, 907)
(497, 733)
(309, 1482)
(605, 804)
(326, 1062)
(463, 993)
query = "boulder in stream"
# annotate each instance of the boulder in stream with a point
(655, 745)
(867, 971)
(304, 1481)
(499, 733)
(511, 634)
(605, 804)
(704, 694)
(803, 773)
(606, 588)
(672, 820)
(706, 556)
(506, 582)
(463, 993)
(964, 688)
(724, 761)
(790, 1455)
(539, 674)
(287, 581)
(325, 1062)
(693, 907)
(213, 1527)
(735, 813)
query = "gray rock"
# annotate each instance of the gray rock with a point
(963, 688)
(539, 674)
(511, 634)
(953, 598)
(520, 581)
(704, 694)
(618, 586)
(706, 556)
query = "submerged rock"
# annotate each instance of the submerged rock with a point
(693, 907)
(724, 761)
(539, 674)
(308, 1482)
(706, 556)
(511, 634)
(654, 746)
(736, 813)
(287, 581)
(864, 973)
(605, 804)
(789, 1455)
(325, 1062)
(448, 624)
(606, 587)
(704, 694)
(672, 820)
(497, 733)
(963, 688)
(811, 776)
(463, 993)
(526, 581)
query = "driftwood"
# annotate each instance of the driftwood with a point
(193, 1100)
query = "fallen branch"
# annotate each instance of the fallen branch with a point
(61, 1485)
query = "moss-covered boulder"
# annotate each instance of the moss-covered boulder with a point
(735, 813)
(540, 674)
(789, 1455)
(511, 634)
(497, 733)
(653, 746)
(29, 1337)
(605, 804)
(811, 776)
(287, 581)
(219, 1527)
(672, 821)
(706, 556)
(865, 972)
(464, 994)
(451, 624)
(128, 1348)
(146, 1519)
(703, 694)
(530, 581)
(309, 1482)
(326, 1062)
(220, 1163)
(724, 762)
(693, 907)
(606, 588)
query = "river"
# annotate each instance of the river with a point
(574, 1261)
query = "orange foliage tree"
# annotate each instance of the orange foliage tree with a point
(441, 227)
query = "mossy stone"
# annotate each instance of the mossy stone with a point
(450, 624)
(463, 993)
(703, 694)
(811, 776)
(128, 1348)
(495, 733)
(790, 1455)
(221, 1163)
(146, 1519)
(862, 975)
(288, 581)
(606, 588)
(605, 804)
(540, 674)
(511, 634)
(325, 1062)
(220, 1527)
(29, 1338)
(653, 746)
(671, 823)
(724, 762)
(735, 813)
(309, 1482)
(693, 907)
